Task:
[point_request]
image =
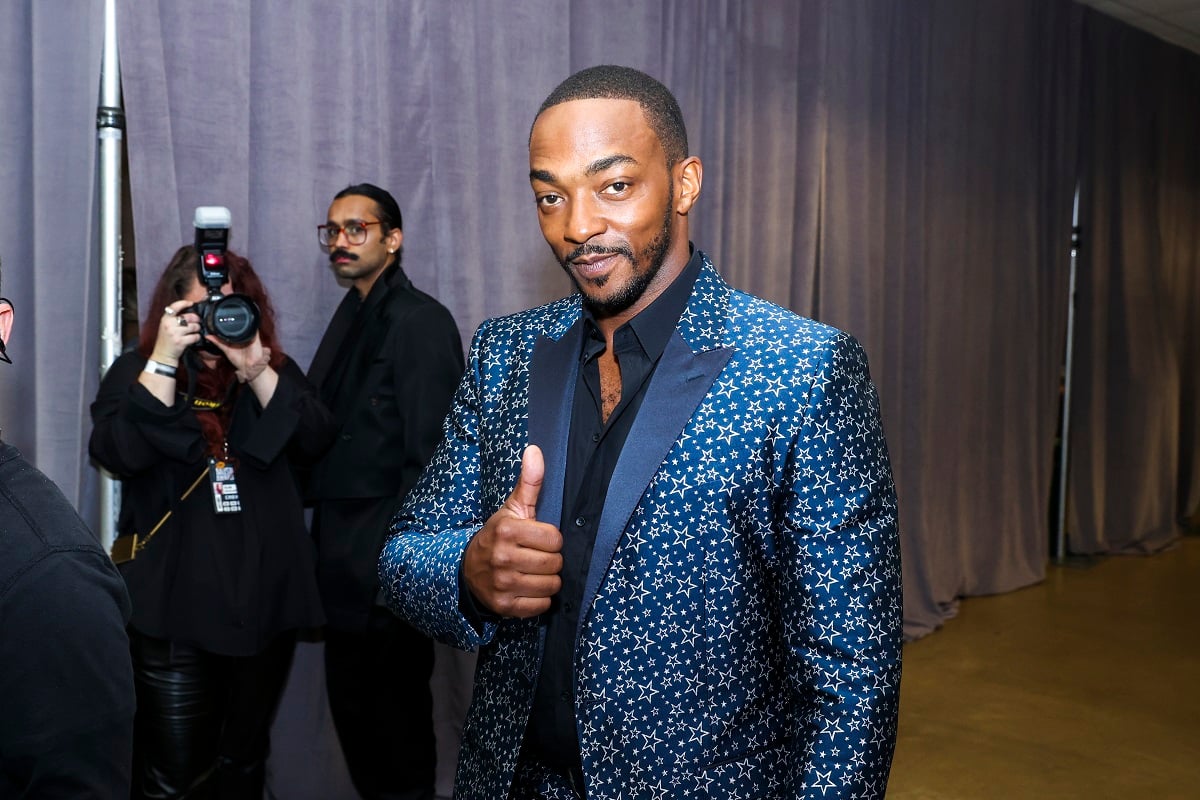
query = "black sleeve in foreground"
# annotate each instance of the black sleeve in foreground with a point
(66, 679)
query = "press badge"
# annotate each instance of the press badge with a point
(226, 499)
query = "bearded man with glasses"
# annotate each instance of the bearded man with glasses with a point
(387, 368)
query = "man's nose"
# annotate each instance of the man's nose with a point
(584, 220)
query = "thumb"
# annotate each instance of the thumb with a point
(524, 497)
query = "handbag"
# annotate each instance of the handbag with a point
(125, 548)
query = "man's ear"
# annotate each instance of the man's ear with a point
(394, 239)
(689, 174)
(6, 320)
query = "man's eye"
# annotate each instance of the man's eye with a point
(617, 187)
(548, 200)
(353, 229)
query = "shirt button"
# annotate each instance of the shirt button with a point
(565, 696)
(580, 522)
(345, 437)
(595, 437)
(567, 607)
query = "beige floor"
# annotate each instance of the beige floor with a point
(1084, 686)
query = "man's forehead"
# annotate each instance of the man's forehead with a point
(586, 129)
(352, 206)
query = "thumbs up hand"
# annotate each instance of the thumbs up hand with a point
(523, 500)
(512, 565)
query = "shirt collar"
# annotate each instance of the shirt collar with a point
(652, 328)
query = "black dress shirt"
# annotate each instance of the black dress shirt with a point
(593, 447)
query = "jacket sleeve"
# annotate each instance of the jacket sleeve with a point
(419, 565)
(840, 581)
(295, 420)
(132, 430)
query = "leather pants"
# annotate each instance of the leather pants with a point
(204, 720)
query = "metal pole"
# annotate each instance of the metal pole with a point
(1060, 547)
(110, 132)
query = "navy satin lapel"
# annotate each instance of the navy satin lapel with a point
(553, 368)
(679, 384)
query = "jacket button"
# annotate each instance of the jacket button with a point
(580, 522)
(346, 437)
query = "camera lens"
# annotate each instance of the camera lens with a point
(234, 318)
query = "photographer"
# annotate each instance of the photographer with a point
(204, 435)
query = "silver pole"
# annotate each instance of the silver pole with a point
(1060, 547)
(110, 127)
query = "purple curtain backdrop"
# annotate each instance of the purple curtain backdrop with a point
(1134, 475)
(901, 170)
(49, 84)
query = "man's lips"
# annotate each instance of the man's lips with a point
(593, 261)
(594, 265)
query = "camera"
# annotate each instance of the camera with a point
(231, 317)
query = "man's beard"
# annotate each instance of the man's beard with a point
(653, 255)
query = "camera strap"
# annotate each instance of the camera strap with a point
(125, 548)
(192, 362)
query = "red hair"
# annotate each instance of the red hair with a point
(177, 280)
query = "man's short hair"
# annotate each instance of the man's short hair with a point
(612, 82)
(389, 209)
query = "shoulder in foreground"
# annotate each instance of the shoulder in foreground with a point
(38, 516)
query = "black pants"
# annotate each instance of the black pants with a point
(378, 684)
(203, 720)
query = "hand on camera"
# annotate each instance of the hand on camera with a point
(249, 360)
(177, 331)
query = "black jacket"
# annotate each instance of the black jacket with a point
(387, 367)
(226, 583)
(66, 682)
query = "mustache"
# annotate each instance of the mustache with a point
(597, 250)
(336, 254)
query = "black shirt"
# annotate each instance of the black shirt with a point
(593, 447)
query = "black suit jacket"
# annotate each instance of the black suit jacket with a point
(387, 368)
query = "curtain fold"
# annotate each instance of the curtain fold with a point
(1133, 455)
(49, 88)
(947, 166)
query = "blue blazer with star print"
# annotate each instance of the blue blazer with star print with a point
(743, 625)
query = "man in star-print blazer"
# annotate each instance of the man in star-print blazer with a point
(742, 630)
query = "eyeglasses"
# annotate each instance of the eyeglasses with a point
(355, 230)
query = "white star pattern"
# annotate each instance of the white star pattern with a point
(744, 640)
